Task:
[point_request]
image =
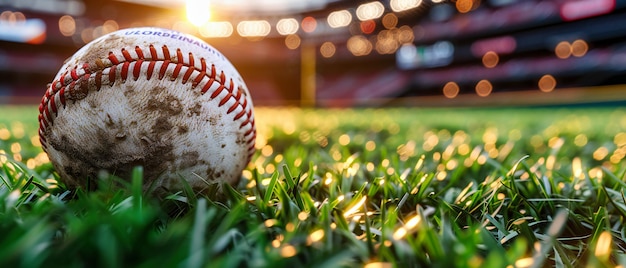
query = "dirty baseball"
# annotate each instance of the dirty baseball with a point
(149, 97)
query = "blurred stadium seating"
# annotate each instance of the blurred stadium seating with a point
(364, 53)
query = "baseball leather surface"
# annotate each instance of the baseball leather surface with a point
(148, 97)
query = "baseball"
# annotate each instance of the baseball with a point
(148, 97)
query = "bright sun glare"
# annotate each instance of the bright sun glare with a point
(198, 11)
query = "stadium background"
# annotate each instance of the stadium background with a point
(337, 53)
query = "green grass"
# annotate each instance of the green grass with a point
(331, 188)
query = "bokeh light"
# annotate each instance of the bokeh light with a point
(292, 41)
(464, 6)
(110, 26)
(198, 12)
(579, 48)
(390, 21)
(405, 35)
(490, 59)
(359, 45)
(563, 50)
(327, 49)
(386, 42)
(483, 88)
(547, 83)
(87, 34)
(339, 18)
(370, 11)
(216, 29)
(451, 90)
(402, 5)
(287, 26)
(309, 24)
(252, 28)
(368, 26)
(67, 25)
(11, 17)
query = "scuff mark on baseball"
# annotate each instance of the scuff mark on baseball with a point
(148, 97)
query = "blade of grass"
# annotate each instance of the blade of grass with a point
(269, 191)
(196, 257)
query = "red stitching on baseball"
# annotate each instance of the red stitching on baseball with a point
(153, 52)
(228, 96)
(179, 56)
(190, 69)
(240, 114)
(191, 61)
(61, 81)
(62, 96)
(54, 107)
(150, 69)
(137, 69)
(71, 86)
(232, 108)
(225, 99)
(208, 85)
(46, 113)
(98, 80)
(78, 82)
(139, 52)
(163, 69)
(112, 58)
(73, 74)
(198, 79)
(126, 55)
(166, 53)
(124, 72)
(223, 78)
(112, 74)
(176, 71)
(219, 89)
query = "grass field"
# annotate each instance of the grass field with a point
(360, 187)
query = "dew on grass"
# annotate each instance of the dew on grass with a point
(5, 134)
(441, 175)
(267, 150)
(620, 139)
(618, 155)
(370, 166)
(302, 216)
(270, 168)
(290, 227)
(3, 157)
(524, 262)
(34, 140)
(603, 245)
(580, 140)
(355, 207)
(315, 236)
(16, 147)
(269, 223)
(288, 251)
(600, 153)
(370, 145)
(297, 162)
(344, 139)
(577, 168)
(400, 233)
(18, 129)
(328, 178)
